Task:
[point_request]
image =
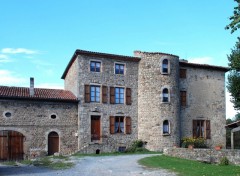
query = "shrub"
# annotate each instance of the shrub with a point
(196, 142)
(224, 161)
(137, 146)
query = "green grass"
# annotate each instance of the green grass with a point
(189, 168)
(9, 163)
(26, 162)
(114, 154)
(54, 162)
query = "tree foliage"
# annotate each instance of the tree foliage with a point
(235, 18)
(234, 75)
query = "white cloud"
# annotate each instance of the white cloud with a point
(18, 51)
(201, 60)
(8, 78)
(230, 111)
(4, 58)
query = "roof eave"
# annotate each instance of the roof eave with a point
(205, 66)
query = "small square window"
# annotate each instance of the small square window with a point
(119, 69)
(183, 73)
(95, 66)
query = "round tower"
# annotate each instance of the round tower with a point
(158, 100)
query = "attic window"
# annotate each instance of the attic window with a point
(53, 116)
(8, 114)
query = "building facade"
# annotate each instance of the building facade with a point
(111, 100)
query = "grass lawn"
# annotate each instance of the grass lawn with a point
(189, 168)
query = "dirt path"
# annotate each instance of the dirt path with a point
(92, 166)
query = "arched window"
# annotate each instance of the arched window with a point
(165, 95)
(165, 66)
(166, 127)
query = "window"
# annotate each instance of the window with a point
(95, 128)
(120, 124)
(183, 73)
(119, 95)
(183, 98)
(8, 114)
(166, 129)
(95, 66)
(95, 93)
(165, 95)
(92, 93)
(165, 66)
(119, 69)
(53, 116)
(201, 128)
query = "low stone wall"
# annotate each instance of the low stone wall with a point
(205, 155)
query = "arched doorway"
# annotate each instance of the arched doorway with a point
(11, 145)
(53, 143)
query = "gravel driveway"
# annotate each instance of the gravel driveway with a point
(92, 166)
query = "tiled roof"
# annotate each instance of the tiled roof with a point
(97, 54)
(39, 94)
(204, 66)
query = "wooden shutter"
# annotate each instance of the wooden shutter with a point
(194, 129)
(183, 98)
(128, 96)
(87, 93)
(128, 125)
(104, 94)
(112, 95)
(112, 124)
(208, 129)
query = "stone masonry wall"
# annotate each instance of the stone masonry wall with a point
(205, 155)
(205, 101)
(108, 142)
(151, 110)
(70, 81)
(32, 119)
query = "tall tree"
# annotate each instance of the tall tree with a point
(235, 18)
(234, 75)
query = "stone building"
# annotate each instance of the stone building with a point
(111, 100)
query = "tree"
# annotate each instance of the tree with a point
(234, 75)
(235, 18)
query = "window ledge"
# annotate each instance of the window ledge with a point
(165, 103)
(166, 134)
(95, 142)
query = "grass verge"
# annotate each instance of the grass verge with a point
(188, 167)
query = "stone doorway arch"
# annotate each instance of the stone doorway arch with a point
(53, 143)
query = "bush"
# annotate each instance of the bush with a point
(224, 161)
(137, 146)
(196, 142)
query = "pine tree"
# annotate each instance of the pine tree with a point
(235, 18)
(234, 75)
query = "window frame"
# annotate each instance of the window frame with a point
(120, 64)
(168, 95)
(127, 124)
(119, 95)
(183, 98)
(205, 124)
(162, 66)
(95, 61)
(95, 96)
(168, 132)
(183, 73)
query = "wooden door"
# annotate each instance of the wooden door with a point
(11, 145)
(53, 143)
(95, 128)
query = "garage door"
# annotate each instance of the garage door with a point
(11, 145)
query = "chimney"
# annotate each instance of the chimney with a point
(31, 90)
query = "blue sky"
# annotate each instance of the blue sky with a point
(38, 38)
